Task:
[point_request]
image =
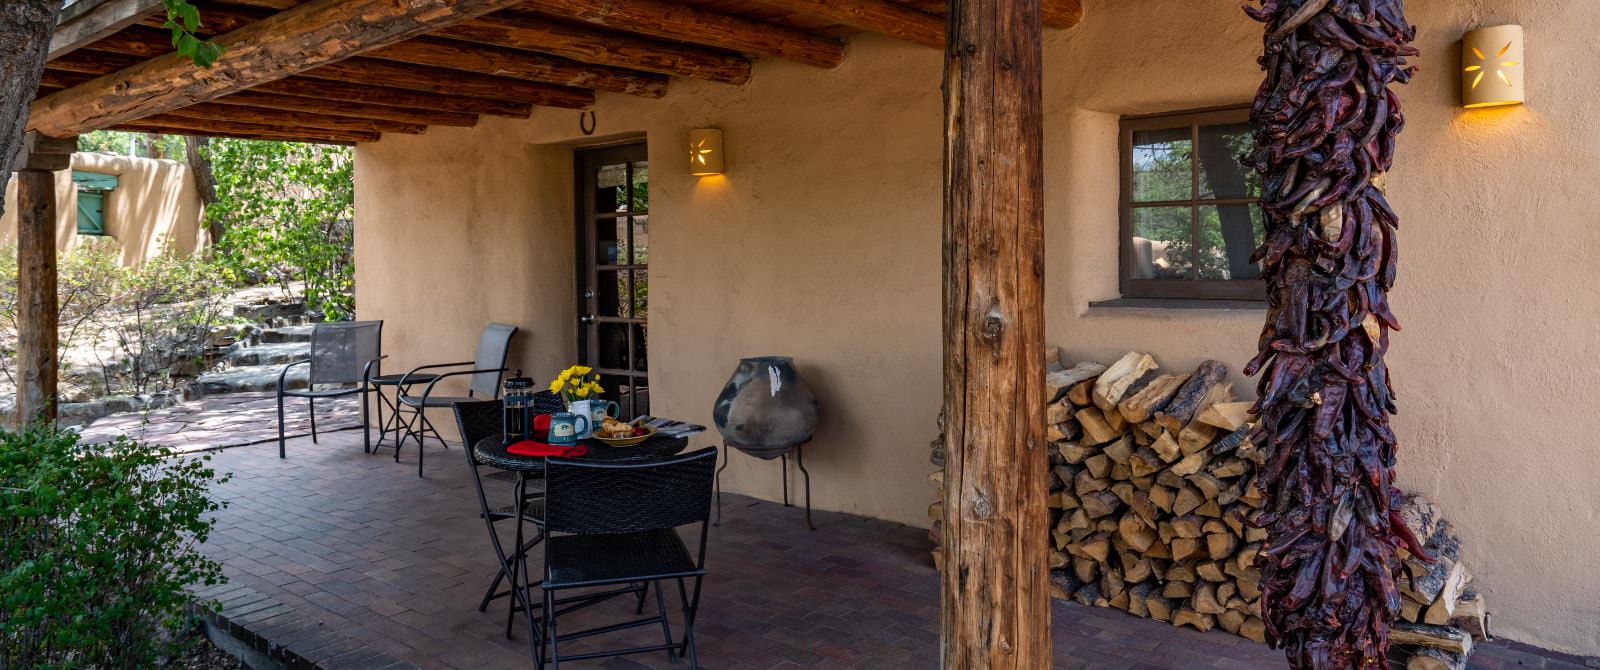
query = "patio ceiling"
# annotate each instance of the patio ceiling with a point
(111, 64)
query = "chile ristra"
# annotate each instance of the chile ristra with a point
(1326, 120)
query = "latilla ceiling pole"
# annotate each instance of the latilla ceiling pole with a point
(1326, 122)
(995, 599)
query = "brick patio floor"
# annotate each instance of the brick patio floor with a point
(353, 560)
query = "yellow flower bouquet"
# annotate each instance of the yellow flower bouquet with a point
(578, 382)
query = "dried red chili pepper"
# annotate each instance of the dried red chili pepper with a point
(1326, 123)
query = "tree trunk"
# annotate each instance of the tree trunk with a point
(1326, 122)
(995, 607)
(25, 28)
(204, 182)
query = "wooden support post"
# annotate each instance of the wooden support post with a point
(995, 605)
(36, 275)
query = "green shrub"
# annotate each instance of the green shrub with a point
(97, 545)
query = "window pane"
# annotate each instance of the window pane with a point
(1162, 165)
(1221, 175)
(611, 241)
(641, 346)
(613, 345)
(641, 240)
(611, 293)
(641, 294)
(641, 188)
(1161, 244)
(610, 194)
(1228, 235)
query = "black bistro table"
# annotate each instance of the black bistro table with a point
(492, 451)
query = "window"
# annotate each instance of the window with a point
(1190, 217)
(92, 188)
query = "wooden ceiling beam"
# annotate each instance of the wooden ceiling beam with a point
(458, 55)
(99, 63)
(878, 16)
(179, 123)
(292, 41)
(155, 129)
(142, 42)
(687, 24)
(277, 117)
(533, 32)
(519, 64)
(452, 82)
(85, 21)
(910, 23)
(59, 79)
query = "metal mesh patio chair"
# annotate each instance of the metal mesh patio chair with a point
(484, 373)
(342, 354)
(614, 523)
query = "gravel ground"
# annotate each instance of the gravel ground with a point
(203, 655)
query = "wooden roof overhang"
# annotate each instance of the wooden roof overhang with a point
(346, 71)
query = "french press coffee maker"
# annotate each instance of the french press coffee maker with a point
(518, 395)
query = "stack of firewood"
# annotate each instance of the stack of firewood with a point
(1441, 613)
(1154, 483)
(1152, 489)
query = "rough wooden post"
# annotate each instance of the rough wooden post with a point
(996, 608)
(37, 313)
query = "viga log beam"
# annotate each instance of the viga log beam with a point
(1326, 121)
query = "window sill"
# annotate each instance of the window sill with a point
(1119, 304)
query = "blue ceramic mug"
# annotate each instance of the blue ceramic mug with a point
(564, 428)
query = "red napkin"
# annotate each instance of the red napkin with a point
(541, 449)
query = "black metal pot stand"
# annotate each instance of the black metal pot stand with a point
(783, 459)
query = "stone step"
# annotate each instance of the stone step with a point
(281, 353)
(286, 334)
(250, 378)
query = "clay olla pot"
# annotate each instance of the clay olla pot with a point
(766, 409)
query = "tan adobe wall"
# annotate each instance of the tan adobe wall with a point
(822, 242)
(155, 204)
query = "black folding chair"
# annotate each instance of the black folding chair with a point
(485, 371)
(342, 353)
(477, 420)
(611, 523)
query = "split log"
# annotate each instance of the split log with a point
(1228, 416)
(1074, 452)
(1058, 383)
(1187, 400)
(1189, 617)
(1254, 628)
(1160, 607)
(1425, 658)
(1472, 616)
(1437, 637)
(1140, 406)
(1121, 450)
(1231, 621)
(1166, 446)
(1095, 428)
(1115, 381)
(1099, 504)
(1079, 393)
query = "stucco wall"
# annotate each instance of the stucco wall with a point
(823, 242)
(155, 206)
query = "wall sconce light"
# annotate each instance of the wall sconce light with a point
(1492, 71)
(705, 151)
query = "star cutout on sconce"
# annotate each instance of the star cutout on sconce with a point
(1484, 63)
(699, 150)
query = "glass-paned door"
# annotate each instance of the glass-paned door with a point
(614, 276)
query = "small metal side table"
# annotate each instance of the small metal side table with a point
(799, 460)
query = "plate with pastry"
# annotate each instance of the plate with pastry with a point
(621, 433)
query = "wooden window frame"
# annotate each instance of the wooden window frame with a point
(1190, 289)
